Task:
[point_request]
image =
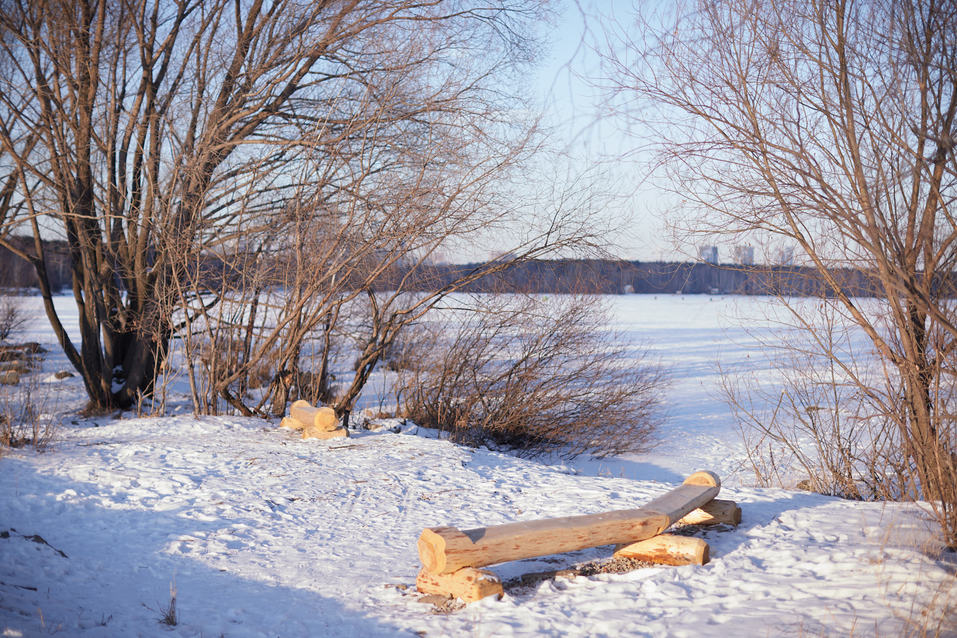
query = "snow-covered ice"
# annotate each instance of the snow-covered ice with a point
(263, 534)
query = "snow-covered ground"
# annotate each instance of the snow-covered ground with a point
(263, 534)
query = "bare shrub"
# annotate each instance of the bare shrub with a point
(816, 426)
(22, 419)
(12, 317)
(401, 355)
(833, 420)
(252, 350)
(534, 374)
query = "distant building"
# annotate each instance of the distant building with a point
(744, 255)
(785, 257)
(708, 254)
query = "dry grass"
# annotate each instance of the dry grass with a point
(168, 615)
(936, 617)
(932, 612)
(914, 608)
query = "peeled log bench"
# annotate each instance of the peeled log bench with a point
(444, 550)
(322, 418)
(717, 512)
(668, 549)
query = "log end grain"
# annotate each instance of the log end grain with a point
(716, 512)
(434, 545)
(321, 418)
(703, 477)
(325, 418)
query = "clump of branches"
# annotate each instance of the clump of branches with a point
(342, 151)
(12, 317)
(821, 422)
(534, 374)
(22, 422)
(160, 150)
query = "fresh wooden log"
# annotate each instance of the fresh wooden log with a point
(696, 490)
(668, 549)
(315, 433)
(717, 512)
(322, 418)
(291, 423)
(468, 583)
(444, 550)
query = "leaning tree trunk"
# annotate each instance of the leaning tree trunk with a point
(124, 339)
(926, 442)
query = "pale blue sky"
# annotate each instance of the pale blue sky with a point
(567, 83)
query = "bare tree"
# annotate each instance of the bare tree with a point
(167, 141)
(829, 125)
(369, 266)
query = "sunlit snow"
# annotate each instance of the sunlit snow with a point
(263, 534)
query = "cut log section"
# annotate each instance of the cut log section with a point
(322, 418)
(668, 549)
(444, 550)
(315, 433)
(468, 583)
(717, 512)
(290, 423)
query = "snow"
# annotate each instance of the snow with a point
(262, 533)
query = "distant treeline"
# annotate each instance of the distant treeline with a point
(599, 276)
(606, 276)
(16, 272)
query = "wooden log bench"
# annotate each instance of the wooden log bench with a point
(313, 422)
(451, 557)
